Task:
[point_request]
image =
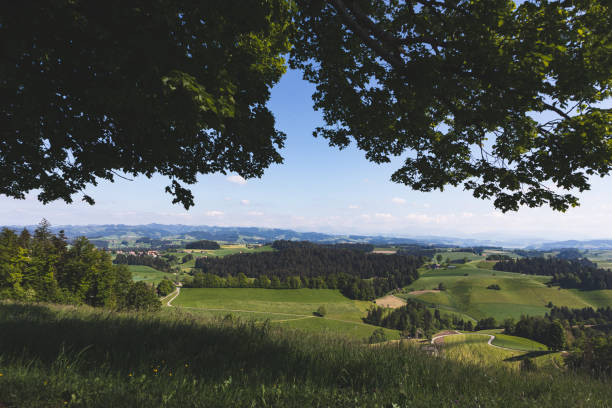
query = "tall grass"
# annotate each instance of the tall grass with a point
(52, 356)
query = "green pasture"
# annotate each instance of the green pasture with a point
(231, 250)
(148, 274)
(457, 255)
(518, 343)
(292, 308)
(301, 302)
(520, 294)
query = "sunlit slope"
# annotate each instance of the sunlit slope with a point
(291, 307)
(466, 292)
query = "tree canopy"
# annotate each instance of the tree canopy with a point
(504, 100)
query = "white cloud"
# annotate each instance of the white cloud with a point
(214, 213)
(245, 202)
(397, 200)
(236, 179)
(255, 213)
(353, 207)
(385, 216)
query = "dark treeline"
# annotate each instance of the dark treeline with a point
(569, 253)
(357, 274)
(202, 244)
(42, 268)
(541, 329)
(528, 253)
(498, 257)
(581, 273)
(155, 262)
(564, 327)
(587, 315)
(414, 319)
(418, 251)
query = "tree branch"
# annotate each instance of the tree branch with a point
(556, 110)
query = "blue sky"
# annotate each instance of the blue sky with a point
(319, 188)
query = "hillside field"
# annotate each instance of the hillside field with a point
(288, 307)
(148, 274)
(466, 292)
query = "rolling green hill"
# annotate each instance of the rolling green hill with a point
(520, 294)
(292, 308)
(148, 274)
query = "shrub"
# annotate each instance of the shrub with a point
(495, 286)
(378, 336)
(321, 311)
(165, 287)
(142, 297)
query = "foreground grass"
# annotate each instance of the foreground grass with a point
(54, 356)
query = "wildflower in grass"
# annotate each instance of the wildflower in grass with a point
(1, 374)
(155, 370)
(186, 365)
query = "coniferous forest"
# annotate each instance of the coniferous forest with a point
(357, 274)
(42, 267)
(575, 273)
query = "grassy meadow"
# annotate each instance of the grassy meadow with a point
(148, 274)
(473, 349)
(520, 294)
(291, 308)
(65, 356)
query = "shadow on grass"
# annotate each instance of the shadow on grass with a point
(531, 354)
(124, 343)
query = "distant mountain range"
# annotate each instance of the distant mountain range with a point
(260, 235)
(591, 244)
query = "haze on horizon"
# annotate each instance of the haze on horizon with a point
(320, 189)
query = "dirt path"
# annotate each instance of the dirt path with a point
(390, 301)
(178, 292)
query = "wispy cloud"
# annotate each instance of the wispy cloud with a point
(385, 216)
(214, 213)
(397, 200)
(236, 179)
(353, 207)
(245, 202)
(255, 213)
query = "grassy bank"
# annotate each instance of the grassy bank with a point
(52, 356)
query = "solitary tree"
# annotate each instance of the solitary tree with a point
(504, 100)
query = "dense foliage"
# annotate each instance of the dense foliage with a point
(357, 274)
(414, 319)
(202, 244)
(42, 267)
(579, 273)
(91, 89)
(499, 97)
(586, 332)
(541, 329)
